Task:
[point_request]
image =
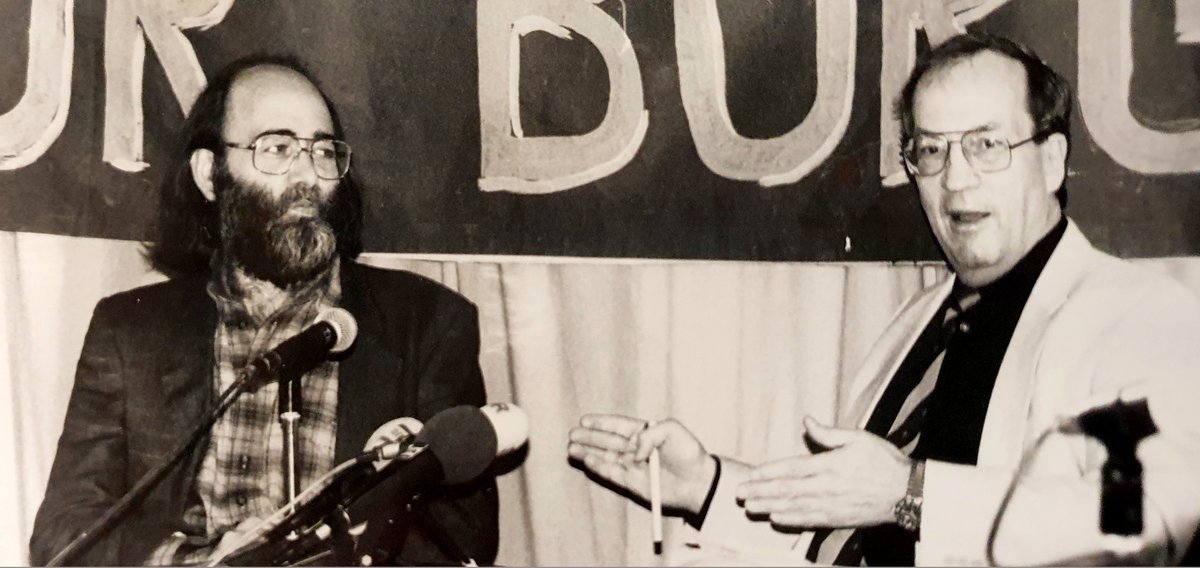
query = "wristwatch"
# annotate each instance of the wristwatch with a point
(908, 509)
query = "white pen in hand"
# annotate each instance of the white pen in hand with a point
(656, 516)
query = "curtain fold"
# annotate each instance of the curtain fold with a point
(739, 352)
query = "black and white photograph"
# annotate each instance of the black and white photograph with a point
(599, 282)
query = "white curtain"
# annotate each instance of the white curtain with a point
(738, 351)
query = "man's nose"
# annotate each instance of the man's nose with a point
(958, 174)
(304, 169)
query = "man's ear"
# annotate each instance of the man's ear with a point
(202, 172)
(1054, 161)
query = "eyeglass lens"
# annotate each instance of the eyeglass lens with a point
(984, 149)
(276, 153)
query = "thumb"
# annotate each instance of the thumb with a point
(653, 436)
(828, 437)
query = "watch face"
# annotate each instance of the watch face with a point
(908, 513)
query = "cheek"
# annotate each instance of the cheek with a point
(328, 187)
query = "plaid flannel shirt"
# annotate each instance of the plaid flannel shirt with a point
(242, 475)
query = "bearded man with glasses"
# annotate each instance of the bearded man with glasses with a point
(260, 227)
(1033, 324)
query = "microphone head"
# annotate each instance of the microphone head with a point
(344, 326)
(465, 440)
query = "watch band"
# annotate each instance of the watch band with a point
(916, 479)
(907, 510)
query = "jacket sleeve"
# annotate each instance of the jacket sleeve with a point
(449, 375)
(88, 474)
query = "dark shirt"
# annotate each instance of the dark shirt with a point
(959, 402)
(956, 408)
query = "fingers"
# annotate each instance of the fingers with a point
(771, 488)
(612, 470)
(828, 436)
(792, 467)
(604, 439)
(601, 440)
(625, 426)
(615, 434)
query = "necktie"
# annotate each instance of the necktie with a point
(898, 418)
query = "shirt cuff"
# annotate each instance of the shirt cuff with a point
(697, 519)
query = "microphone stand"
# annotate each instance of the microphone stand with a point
(289, 418)
(107, 521)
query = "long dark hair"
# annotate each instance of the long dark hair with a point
(188, 224)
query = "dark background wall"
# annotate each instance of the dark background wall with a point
(404, 76)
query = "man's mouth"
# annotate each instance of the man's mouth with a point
(302, 207)
(967, 219)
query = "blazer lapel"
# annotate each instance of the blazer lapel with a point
(889, 353)
(185, 370)
(1005, 427)
(368, 374)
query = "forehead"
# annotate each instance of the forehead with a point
(984, 90)
(271, 98)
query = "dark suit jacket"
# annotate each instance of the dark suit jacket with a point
(144, 381)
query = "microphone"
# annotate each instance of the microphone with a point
(455, 446)
(334, 331)
(1120, 425)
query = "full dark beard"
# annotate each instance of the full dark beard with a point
(268, 238)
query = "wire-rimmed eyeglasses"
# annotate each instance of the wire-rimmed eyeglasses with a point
(985, 149)
(275, 153)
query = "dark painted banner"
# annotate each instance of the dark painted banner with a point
(732, 129)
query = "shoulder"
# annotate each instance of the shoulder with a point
(1115, 286)
(402, 283)
(1121, 321)
(399, 292)
(169, 299)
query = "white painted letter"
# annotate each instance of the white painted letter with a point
(35, 122)
(941, 20)
(1105, 68)
(546, 164)
(784, 159)
(124, 57)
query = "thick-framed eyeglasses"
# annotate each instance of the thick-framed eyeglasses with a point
(986, 150)
(274, 154)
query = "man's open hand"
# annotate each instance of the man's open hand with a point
(855, 482)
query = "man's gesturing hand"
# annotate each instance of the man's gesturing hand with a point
(856, 482)
(617, 448)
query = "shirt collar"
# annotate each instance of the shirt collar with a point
(241, 297)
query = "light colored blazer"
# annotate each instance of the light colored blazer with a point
(1094, 327)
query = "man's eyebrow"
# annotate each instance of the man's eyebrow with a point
(287, 131)
(985, 126)
(318, 135)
